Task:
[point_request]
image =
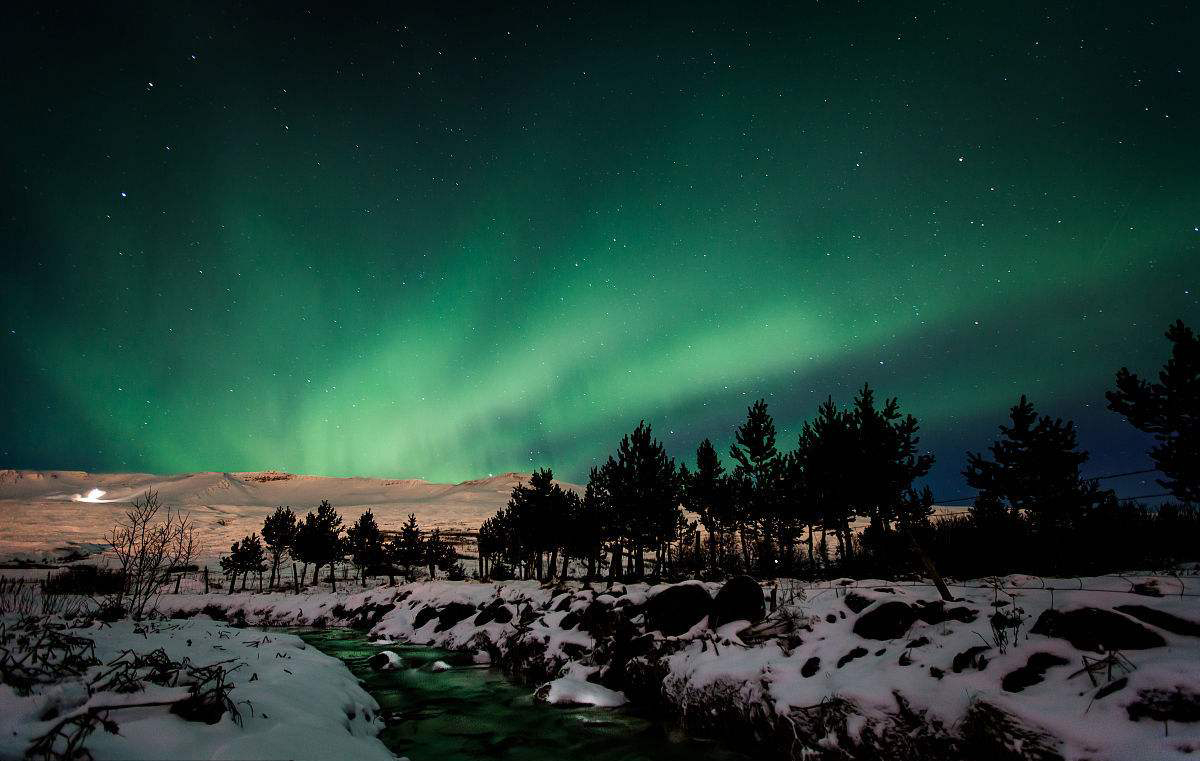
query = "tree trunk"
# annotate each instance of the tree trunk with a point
(566, 561)
(205, 579)
(232, 581)
(333, 578)
(295, 579)
(274, 568)
(614, 568)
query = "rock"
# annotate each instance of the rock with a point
(856, 602)
(385, 660)
(569, 621)
(857, 652)
(936, 612)
(1032, 672)
(810, 667)
(564, 603)
(905, 659)
(438, 667)
(918, 642)
(451, 614)
(528, 616)
(1165, 705)
(936, 672)
(831, 619)
(971, 657)
(1096, 630)
(424, 616)
(578, 692)
(1161, 619)
(677, 608)
(741, 599)
(887, 620)
(500, 614)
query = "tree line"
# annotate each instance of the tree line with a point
(788, 512)
(320, 540)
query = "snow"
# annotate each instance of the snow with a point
(294, 701)
(766, 675)
(565, 691)
(47, 514)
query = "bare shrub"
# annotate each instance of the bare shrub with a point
(148, 546)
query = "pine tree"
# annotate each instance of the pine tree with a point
(1034, 469)
(1169, 410)
(279, 534)
(319, 541)
(758, 479)
(644, 490)
(408, 550)
(439, 554)
(708, 494)
(364, 542)
(825, 466)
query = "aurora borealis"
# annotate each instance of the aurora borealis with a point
(447, 243)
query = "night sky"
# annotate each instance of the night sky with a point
(462, 240)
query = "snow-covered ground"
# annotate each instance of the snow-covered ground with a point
(50, 514)
(841, 664)
(293, 701)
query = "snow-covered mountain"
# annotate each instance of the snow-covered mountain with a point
(54, 512)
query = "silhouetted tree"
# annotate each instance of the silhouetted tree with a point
(1035, 468)
(439, 554)
(758, 479)
(407, 550)
(279, 534)
(245, 557)
(1169, 410)
(642, 490)
(319, 541)
(709, 494)
(364, 542)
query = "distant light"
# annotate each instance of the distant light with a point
(93, 496)
(123, 194)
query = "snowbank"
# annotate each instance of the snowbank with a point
(291, 701)
(1096, 668)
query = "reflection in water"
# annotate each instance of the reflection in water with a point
(469, 712)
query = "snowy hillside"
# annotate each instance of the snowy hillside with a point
(47, 514)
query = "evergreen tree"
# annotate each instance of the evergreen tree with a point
(824, 464)
(887, 458)
(279, 534)
(319, 541)
(439, 554)
(643, 489)
(708, 494)
(364, 542)
(758, 479)
(245, 557)
(1034, 468)
(408, 549)
(1169, 410)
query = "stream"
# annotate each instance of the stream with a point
(470, 712)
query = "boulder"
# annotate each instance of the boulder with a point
(677, 608)
(741, 599)
(887, 620)
(1097, 630)
(1161, 619)
(1032, 672)
(424, 616)
(857, 652)
(451, 614)
(856, 602)
(385, 660)
(810, 667)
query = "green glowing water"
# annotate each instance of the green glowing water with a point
(469, 713)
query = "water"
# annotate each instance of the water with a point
(469, 713)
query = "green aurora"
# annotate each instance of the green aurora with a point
(469, 242)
